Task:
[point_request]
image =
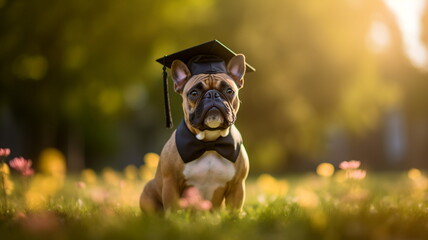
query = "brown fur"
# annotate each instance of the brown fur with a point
(164, 190)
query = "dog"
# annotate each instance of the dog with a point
(210, 104)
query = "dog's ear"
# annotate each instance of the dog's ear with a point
(180, 75)
(236, 69)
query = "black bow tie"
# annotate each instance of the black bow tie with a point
(190, 148)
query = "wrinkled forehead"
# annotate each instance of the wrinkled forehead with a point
(210, 81)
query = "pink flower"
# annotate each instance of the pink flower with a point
(23, 166)
(353, 164)
(4, 152)
(357, 174)
(192, 199)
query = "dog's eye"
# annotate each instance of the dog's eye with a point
(229, 91)
(193, 93)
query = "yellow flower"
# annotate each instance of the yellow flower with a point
(419, 181)
(271, 186)
(35, 200)
(146, 173)
(47, 185)
(307, 198)
(131, 172)
(414, 174)
(42, 187)
(52, 162)
(325, 170)
(151, 160)
(148, 170)
(4, 169)
(8, 185)
(110, 176)
(89, 176)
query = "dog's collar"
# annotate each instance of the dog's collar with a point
(190, 148)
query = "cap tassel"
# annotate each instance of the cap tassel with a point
(169, 122)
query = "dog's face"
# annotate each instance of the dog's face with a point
(210, 101)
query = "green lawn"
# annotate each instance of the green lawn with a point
(305, 206)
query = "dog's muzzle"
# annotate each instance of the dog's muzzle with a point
(213, 106)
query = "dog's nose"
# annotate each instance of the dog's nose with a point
(212, 94)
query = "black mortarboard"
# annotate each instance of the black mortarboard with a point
(208, 57)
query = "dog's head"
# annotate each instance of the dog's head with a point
(210, 101)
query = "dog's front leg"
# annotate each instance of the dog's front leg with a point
(235, 197)
(170, 194)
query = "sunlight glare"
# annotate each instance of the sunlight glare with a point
(379, 36)
(408, 14)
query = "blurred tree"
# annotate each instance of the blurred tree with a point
(77, 75)
(320, 66)
(415, 105)
(80, 76)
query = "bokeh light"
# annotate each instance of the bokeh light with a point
(325, 169)
(52, 163)
(414, 174)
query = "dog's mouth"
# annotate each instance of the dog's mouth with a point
(214, 115)
(213, 118)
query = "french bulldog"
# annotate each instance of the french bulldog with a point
(206, 150)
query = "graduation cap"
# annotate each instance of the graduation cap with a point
(209, 58)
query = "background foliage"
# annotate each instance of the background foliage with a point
(332, 81)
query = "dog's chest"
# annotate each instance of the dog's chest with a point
(208, 173)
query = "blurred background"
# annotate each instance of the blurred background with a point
(336, 80)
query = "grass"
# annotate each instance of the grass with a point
(306, 206)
